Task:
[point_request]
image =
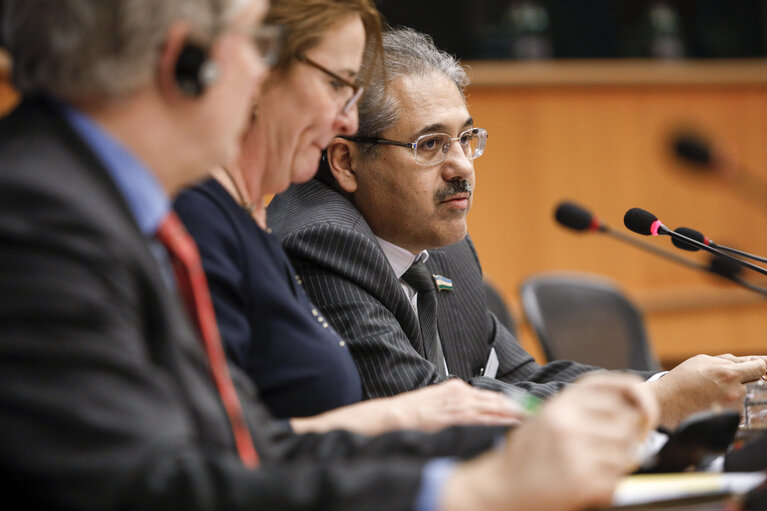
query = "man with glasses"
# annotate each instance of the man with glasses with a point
(392, 203)
(380, 241)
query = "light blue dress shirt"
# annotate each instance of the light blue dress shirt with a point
(147, 200)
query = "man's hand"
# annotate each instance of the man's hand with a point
(703, 382)
(568, 457)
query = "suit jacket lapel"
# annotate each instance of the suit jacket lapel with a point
(367, 266)
(464, 358)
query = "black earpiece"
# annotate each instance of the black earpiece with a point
(194, 71)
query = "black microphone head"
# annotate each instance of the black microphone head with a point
(693, 149)
(689, 233)
(640, 221)
(724, 266)
(575, 217)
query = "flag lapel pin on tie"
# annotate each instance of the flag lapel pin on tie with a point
(443, 283)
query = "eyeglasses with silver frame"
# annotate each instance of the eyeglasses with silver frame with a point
(432, 148)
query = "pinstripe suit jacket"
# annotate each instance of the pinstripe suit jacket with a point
(348, 277)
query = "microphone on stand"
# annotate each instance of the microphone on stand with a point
(724, 265)
(643, 222)
(697, 235)
(575, 217)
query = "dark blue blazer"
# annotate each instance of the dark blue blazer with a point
(269, 327)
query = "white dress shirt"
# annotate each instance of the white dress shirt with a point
(400, 260)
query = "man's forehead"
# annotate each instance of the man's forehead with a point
(427, 104)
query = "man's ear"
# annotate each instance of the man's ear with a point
(175, 42)
(340, 156)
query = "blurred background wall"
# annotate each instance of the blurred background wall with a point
(492, 29)
(581, 99)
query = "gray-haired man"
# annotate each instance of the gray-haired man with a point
(398, 193)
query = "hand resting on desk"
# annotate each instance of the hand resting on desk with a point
(702, 382)
(431, 408)
(568, 457)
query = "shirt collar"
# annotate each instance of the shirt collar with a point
(399, 258)
(147, 200)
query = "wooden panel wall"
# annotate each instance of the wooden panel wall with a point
(600, 137)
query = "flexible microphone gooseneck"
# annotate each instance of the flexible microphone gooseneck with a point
(575, 217)
(697, 235)
(643, 222)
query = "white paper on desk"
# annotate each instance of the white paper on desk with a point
(645, 488)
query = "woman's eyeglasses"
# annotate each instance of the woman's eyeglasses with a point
(356, 89)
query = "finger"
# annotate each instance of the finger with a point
(497, 420)
(455, 384)
(468, 418)
(628, 405)
(626, 424)
(751, 370)
(497, 405)
(477, 401)
(643, 398)
(619, 455)
(471, 395)
(501, 402)
(733, 358)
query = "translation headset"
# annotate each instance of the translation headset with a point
(194, 71)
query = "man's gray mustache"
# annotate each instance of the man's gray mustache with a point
(453, 188)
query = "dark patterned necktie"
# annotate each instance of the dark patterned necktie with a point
(193, 288)
(419, 278)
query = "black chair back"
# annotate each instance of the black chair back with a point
(587, 318)
(499, 307)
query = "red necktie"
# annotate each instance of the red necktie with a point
(194, 290)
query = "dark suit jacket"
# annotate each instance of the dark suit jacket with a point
(105, 397)
(347, 275)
